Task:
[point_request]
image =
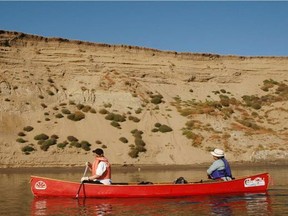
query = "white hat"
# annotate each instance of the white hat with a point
(218, 153)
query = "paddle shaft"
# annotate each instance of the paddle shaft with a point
(86, 168)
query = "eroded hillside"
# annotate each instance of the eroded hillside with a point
(61, 98)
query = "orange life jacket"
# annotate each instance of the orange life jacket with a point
(107, 173)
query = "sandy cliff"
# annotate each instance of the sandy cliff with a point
(141, 105)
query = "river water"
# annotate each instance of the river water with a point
(16, 197)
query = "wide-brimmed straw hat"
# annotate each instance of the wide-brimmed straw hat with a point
(218, 153)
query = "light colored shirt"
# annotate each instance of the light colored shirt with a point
(101, 168)
(217, 165)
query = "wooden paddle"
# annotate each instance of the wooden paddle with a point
(86, 168)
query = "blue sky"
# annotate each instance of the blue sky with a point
(224, 27)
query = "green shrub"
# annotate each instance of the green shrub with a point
(190, 124)
(165, 128)
(59, 115)
(103, 111)
(123, 139)
(50, 142)
(21, 140)
(138, 111)
(156, 99)
(86, 108)
(43, 105)
(139, 142)
(72, 139)
(65, 111)
(62, 104)
(98, 142)
(49, 92)
(115, 124)
(115, 117)
(92, 110)
(141, 148)
(44, 147)
(71, 102)
(40, 142)
(133, 153)
(155, 130)
(75, 144)
(62, 145)
(134, 119)
(107, 105)
(79, 106)
(85, 145)
(77, 116)
(41, 137)
(54, 136)
(21, 134)
(157, 125)
(47, 143)
(28, 128)
(27, 149)
(137, 133)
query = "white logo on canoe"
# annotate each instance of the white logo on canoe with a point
(40, 185)
(254, 183)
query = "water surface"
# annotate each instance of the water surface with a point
(16, 197)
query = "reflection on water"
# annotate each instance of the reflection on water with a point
(16, 197)
(239, 204)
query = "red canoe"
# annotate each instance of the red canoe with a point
(47, 187)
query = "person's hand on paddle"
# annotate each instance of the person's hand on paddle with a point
(84, 179)
(88, 164)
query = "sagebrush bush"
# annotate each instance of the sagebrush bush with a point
(157, 124)
(41, 137)
(139, 142)
(27, 149)
(21, 134)
(66, 111)
(134, 119)
(92, 110)
(115, 124)
(103, 111)
(54, 136)
(137, 133)
(138, 111)
(85, 145)
(154, 130)
(21, 140)
(75, 144)
(49, 92)
(115, 117)
(123, 139)
(47, 143)
(165, 128)
(59, 115)
(72, 139)
(28, 128)
(77, 116)
(62, 145)
(86, 108)
(156, 99)
(133, 153)
(43, 105)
